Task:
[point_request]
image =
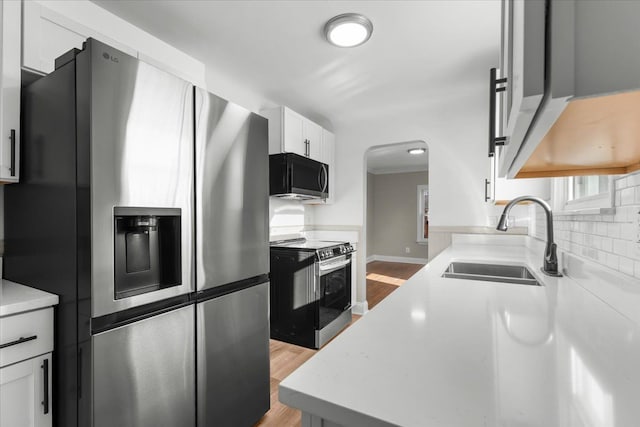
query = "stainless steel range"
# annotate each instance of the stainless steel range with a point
(310, 290)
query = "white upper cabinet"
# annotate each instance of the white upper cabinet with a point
(499, 190)
(573, 88)
(10, 95)
(522, 64)
(292, 140)
(313, 136)
(289, 132)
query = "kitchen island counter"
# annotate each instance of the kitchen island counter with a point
(452, 352)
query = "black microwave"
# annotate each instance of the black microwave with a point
(292, 176)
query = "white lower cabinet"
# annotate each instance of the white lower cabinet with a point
(26, 344)
(25, 393)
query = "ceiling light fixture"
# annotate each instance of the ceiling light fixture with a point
(416, 151)
(348, 30)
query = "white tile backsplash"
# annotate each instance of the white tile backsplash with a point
(610, 240)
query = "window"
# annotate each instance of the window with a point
(587, 186)
(423, 214)
(584, 193)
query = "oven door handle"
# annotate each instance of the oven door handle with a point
(331, 267)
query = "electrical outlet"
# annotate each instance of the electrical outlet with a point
(407, 249)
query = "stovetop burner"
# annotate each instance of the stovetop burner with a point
(325, 249)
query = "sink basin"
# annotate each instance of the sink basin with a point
(516, 274)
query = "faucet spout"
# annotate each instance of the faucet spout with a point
(550, 262)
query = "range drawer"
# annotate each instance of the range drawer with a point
(26, 335)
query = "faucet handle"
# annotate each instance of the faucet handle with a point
(550, 267)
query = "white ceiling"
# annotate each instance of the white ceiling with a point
(422, 55)
(394, 158)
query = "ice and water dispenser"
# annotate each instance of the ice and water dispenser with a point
(147, 250)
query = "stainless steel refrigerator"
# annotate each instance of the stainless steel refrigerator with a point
(133, 183)
(232, 263)
(103, 216)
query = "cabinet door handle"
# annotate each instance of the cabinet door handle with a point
(12, 137)
(307, 150)
(493, 89)
(486, 190)
(18, 341)
(45, 368)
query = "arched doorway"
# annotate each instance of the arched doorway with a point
(396, 215)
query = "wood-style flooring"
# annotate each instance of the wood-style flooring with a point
(285, 358)
(382, 279)
(385, 277)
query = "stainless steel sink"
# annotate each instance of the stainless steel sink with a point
(517, 274)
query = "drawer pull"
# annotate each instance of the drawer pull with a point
(18, 341)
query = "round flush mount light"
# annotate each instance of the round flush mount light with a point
(416, 151)
(348, 30)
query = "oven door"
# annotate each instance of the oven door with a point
(334, 290)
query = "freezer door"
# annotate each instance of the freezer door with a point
(232, 192)
(138, 120)
(144, 372)
(233, 358)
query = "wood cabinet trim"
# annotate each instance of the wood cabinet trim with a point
(592, 136)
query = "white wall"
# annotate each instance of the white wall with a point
(458, 165)
(393, 202)
(81, 15)
(287, 218)
(460, 168)
(370, 214)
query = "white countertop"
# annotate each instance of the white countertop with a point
(452, 352)
(16, 298)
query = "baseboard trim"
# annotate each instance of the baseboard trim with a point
(406, 260)
(360, 308)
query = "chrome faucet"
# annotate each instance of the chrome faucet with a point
(550, 263)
